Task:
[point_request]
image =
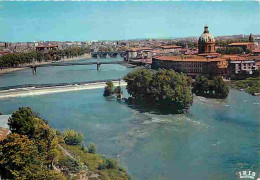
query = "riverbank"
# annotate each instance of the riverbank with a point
(249, 85)
(8, 70)
(32, 91)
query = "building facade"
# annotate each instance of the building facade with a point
(46, 47)
(191, 66)
(139, 53)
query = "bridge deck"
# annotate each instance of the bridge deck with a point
(71, 64)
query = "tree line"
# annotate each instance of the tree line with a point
(230, 50)
(16, 59)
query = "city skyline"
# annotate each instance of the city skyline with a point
(83, 21)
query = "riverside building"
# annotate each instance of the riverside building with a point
(207, 61)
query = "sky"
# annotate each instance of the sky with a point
(84, 21)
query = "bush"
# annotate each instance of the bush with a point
(109, 163)
(71, 137)
(69, 163)
(109, 89)
(92, 148)
(84, 148)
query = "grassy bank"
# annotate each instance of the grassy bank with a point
(249, 85)
(34, 150)
(97, 165)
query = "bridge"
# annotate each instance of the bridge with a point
(34, 67)
(108, 54)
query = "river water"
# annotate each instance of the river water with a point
(215, 140)
(65, 74)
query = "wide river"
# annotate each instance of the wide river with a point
(215, 140)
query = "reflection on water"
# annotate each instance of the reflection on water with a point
(214, 140)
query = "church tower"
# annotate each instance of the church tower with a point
(206, 42)
(251, 38)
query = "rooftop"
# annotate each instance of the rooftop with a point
(188, 58)
(170, 47)
(3, 133)
(241, 44)
(46, 46)
(141, 48)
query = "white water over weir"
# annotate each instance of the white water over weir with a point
(32, 91)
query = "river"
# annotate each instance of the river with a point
(65, 74)
(215, 140)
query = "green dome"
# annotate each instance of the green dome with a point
(206, 37)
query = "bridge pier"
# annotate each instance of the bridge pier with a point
(34, 70)
(98, 66)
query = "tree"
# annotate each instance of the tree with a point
(201, 85)
(138, 83)
(18, 153)
(109, 89)
(215, 88)
(220, 87)
(71, 137)
(230, 50)
(20, 159)
(21, 121)
(164, 89)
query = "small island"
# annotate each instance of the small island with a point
(170, 91)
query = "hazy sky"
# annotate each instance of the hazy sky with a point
(35, 21)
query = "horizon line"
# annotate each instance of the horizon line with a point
(162, 38)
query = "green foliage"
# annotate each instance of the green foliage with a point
(12, 60)
(69, 163)
(21, 121)
(35, 155)
(250, 85)
(164, 89)
(93, 161)
(18, 152)
(28, 153)
(84, 148)
(230, 50)
(118, 90)
(215, 88)
(109, 163)
(92, 149)
(71, 137)
(226, 42)
(20, 159)
(109, 89)
(16, 59)
(185, 43)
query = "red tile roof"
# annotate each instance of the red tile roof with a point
(241, 44)
(187, 59)
(3, 133)
(141, 48)
(47, 46)
(170, 47)
(256, 51)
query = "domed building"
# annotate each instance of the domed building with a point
(206, 42)
(251, 38)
